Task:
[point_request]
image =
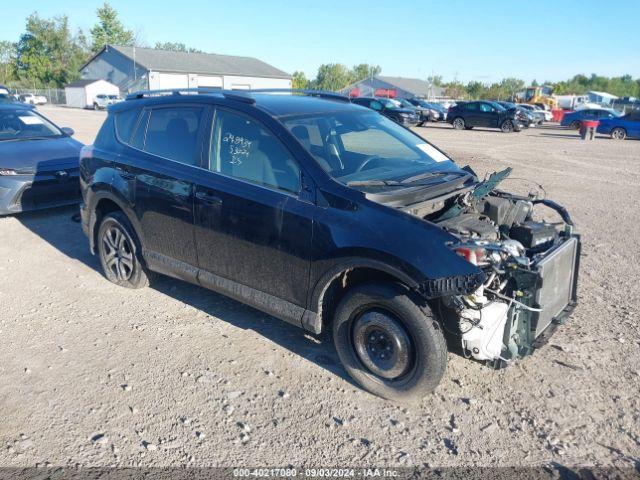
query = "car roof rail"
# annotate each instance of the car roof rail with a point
(239, 95)
(304, 91)
(231, 94)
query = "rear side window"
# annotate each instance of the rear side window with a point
(471, 106)
(173, 133)
(125, 123)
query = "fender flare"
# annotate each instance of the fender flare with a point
(312, 318)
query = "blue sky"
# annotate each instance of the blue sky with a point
(464, 39)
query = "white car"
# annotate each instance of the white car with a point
(32, 99)
(103, 100)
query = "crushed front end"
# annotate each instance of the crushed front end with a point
(530, 267)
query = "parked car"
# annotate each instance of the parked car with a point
(547, 116)
(432, 112)
(574, 119)
(466, 115)
(390, 109)
(38, 161)
(527, 118)
(621, 127)
(537, 116)
(102, 101)
(329, 216)
(33, 99)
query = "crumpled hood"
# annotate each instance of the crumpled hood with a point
(41, 155)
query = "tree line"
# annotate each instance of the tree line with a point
(49, 54)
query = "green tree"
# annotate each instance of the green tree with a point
(109, 29)
(176, 47)
(364, 70)
(475, 89)
(332, 77)
(7, 60)
(299, 80)
(435, 80)
(47, 53)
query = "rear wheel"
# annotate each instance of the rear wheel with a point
(458, 123)
(618, 133)
(507, 126)
(388, 343)
(119, 252)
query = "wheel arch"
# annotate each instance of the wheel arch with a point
(336, 281)
(104, 204)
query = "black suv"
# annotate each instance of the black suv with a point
(329, 216)
(466, 115)
(391, 109)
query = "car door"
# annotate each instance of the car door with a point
(163, 160)
(472, 116)
(488, 115)
(253, 218)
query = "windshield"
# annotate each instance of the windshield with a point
(501, 106)
(24, 125)
(363, 146)
(113, 97)
(404, 103)
(6, 98)
(387, 102)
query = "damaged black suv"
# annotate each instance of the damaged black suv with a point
(329, 216)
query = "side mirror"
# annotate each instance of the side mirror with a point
(67, 131)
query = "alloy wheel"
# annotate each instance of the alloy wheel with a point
(117, 253)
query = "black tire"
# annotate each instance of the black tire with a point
(468, 127)
(418, 355)
(507, 126)
(618, 133)
(95, 106)
(459, 123)
(576, 124)
(119, 252)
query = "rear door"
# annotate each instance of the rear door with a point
(472, 115)
(253, 218)
(161, 162)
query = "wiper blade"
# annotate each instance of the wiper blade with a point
(24, 139)
(439, 173)
(374, 183)
(413, 180)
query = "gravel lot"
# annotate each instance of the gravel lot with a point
(96, 375)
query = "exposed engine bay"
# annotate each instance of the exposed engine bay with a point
(530, 268)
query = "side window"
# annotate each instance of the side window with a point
(125, 122)
(376, 105)
(172, 132)
(485, 107)
(137, 140)
(472, 106)
(242, 148)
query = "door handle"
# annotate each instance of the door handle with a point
(208, 198)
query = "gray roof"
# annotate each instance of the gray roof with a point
(413, 85)
(82, 82)
(202, 63)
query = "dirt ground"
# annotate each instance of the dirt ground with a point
(95, 375)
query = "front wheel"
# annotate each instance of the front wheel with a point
(576, 124)
(507, 126)
(458, 123)
(119, 252)
(618, 133)
(388, 342)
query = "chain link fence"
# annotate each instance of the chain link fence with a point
(54, 96)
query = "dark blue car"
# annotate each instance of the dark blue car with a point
(574, 119)
(627, 126)
(38, 161)
(330, 216)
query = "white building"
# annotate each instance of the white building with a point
(81, 94)
(133, 68)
